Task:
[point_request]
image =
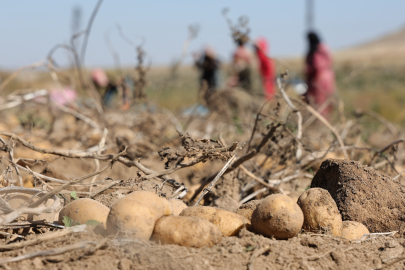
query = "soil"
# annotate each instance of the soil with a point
(246, 251)
(363, 194)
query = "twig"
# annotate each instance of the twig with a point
(92, 195)
(32, 211)
(240, 160)
(55, 251)
(399, 175)
(15, 73)
(88, 29)
(252, 195)
(328, 125)
(44, 237)
(13, 163)
(11, 234)
(258, 179)
(78, 115)
(100, 147)
(221, 172)
(57, 190)
(379, 152)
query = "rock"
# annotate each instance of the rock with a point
(363, 194)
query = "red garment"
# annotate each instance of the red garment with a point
(320, 78)
(266, 67)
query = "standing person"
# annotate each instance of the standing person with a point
(209, 65)
(241, 63)
(266, 67)
(319, 74)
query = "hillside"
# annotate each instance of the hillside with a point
(386, 49)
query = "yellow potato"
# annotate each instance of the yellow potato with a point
(320, 211)
(353, 230)
(246, 210)
(229, 223)
(135, 215)
(83, 210)
(186, 231)
(177, 206)
(279, 216)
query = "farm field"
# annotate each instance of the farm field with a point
(174, 182)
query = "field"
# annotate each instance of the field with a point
(235, 150)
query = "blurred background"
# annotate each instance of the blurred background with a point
(366, 38)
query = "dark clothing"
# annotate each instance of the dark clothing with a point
(209, 67)
(245, 79)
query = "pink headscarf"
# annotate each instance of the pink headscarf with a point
(99, 77)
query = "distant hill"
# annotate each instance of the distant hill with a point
(389, 48)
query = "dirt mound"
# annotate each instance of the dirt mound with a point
(363, 194)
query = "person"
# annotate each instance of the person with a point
(107, 90)
(241, 63)
(266, 67)
(320, 78)
(209, 65)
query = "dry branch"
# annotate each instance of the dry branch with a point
(44, 237)
(239, 161)
(50, 252)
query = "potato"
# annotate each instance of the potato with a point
(135, 215)
(83, 210)
(353, 230)
(279, 216)
(177, 206)
(320, 211)
(229, 223)
(186, 231)
(246, 210)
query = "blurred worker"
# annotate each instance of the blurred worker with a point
(266, 67)
(107, 90)
(241, 63)
(319, 74)
(209, 65)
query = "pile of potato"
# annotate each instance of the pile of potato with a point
(143, 215)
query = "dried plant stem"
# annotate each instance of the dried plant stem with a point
(221, 172)
(62, 187)
(4, 219)
(328, 125)
(13, 163)
(78, 115)
(55, 251)
(258, 179)
(113, 183)
(15, 73)
(97, 163)
(299, 115)
(239, 161)
(44, 237)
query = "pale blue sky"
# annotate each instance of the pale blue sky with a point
(29, 28)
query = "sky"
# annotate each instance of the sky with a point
(30, 28)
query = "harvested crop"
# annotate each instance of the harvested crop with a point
(83, 210)
(186, 231)
(246, 210)
(177, 206)
(320, 212)
(135, 215)
(279, 216)
(229, 223)
(353, 230)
